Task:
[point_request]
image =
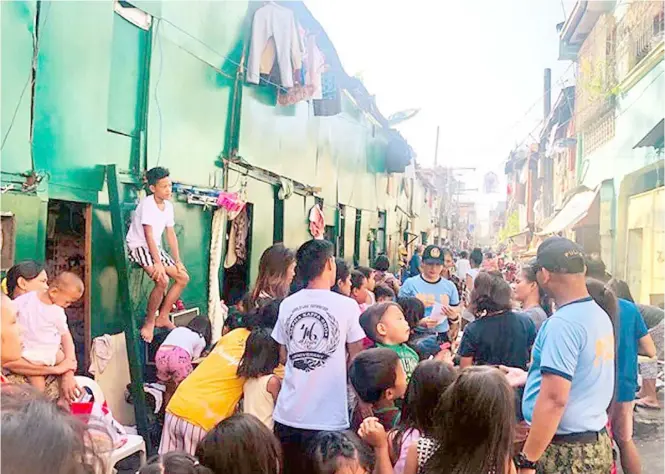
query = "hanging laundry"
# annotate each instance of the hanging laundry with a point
(317, 223)
(279, 24)
(331, 101)
(100, 354)
(285, 189)
(316, 65)
(237, 246)
(232, 202)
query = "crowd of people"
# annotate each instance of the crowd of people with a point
(461, 367)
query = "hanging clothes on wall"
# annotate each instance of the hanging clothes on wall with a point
(217, 312)
(276, 23)
(237, 247)
(317, 222)
(331, 98)
(314, 65)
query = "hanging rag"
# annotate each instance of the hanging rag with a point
(215, 313)
(157, 391)
(317, 223)
(237, 247)
(285, 189)
(279, 23)
(232, 202)
(100, 354)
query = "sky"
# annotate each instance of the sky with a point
(473, 68)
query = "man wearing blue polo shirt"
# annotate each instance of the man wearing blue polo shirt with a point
(571, 379)
(430, 288)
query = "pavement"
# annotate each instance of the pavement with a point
(650, 439)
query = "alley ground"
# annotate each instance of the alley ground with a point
(650, 440)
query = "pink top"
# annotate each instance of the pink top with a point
(409, 437)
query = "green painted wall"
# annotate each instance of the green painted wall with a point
(107, 92)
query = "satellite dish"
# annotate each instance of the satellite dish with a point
(402, 116)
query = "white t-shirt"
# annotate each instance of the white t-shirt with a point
(186, 339)
(42, 325)
(463, 266)
(473, 273)
(147, 213)
(315, 326)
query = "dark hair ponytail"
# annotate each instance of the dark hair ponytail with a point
(545, 301)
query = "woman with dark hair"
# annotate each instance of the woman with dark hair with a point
(383, 276)
(342, 278)
(276, 271)
(24, 277)
(498, 336)
(38, 437)
(535, 303)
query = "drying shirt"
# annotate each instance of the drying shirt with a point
(147, 213)
(576, 343)
(430, 293)
(274, 25)
(211, 392)
(186, 339)
(407, 356)
(42, 325)
(631, 329)
(315, 326)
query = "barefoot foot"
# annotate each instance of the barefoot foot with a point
(166, 323)
(147, 331)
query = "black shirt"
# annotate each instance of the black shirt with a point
(500, 339)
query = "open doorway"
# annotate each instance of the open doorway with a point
(238, 251)
(68, 249)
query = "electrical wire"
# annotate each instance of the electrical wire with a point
(31, 77)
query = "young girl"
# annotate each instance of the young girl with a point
(261, 387)
(174, 463)
(240, 444)
(183, 345)
(430, 379)
(359, 289)
(339, 452)
(473, 428)
(342, 278)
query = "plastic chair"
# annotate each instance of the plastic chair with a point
(134, 443)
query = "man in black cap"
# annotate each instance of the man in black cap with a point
(433, 290)
(571, 379)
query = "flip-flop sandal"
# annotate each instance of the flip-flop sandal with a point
(645, 406)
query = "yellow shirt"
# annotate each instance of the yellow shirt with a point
(211, 392)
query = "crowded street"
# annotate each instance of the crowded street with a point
(314, 237)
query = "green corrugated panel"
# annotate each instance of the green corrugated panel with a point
(16, 30)
(70, 128)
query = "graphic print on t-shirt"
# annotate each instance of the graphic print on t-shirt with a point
(313, 335)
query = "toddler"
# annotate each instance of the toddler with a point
(257, 365)
(44, 331)
(182, 345)
(379, 379)
(339, 452)
(174, 463)
(385, 325)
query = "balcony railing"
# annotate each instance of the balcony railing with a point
(638, 32)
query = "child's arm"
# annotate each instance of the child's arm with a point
(67, 342)
(274, 386)
(172, 240)
(374, 434)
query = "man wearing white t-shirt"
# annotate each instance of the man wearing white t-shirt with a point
(152, 217)
(315, 329)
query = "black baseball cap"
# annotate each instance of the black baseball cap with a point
(433, 255)
(560, 255)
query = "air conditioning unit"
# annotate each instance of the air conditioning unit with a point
(182, 318)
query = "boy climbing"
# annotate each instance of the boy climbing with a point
(153, 215)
